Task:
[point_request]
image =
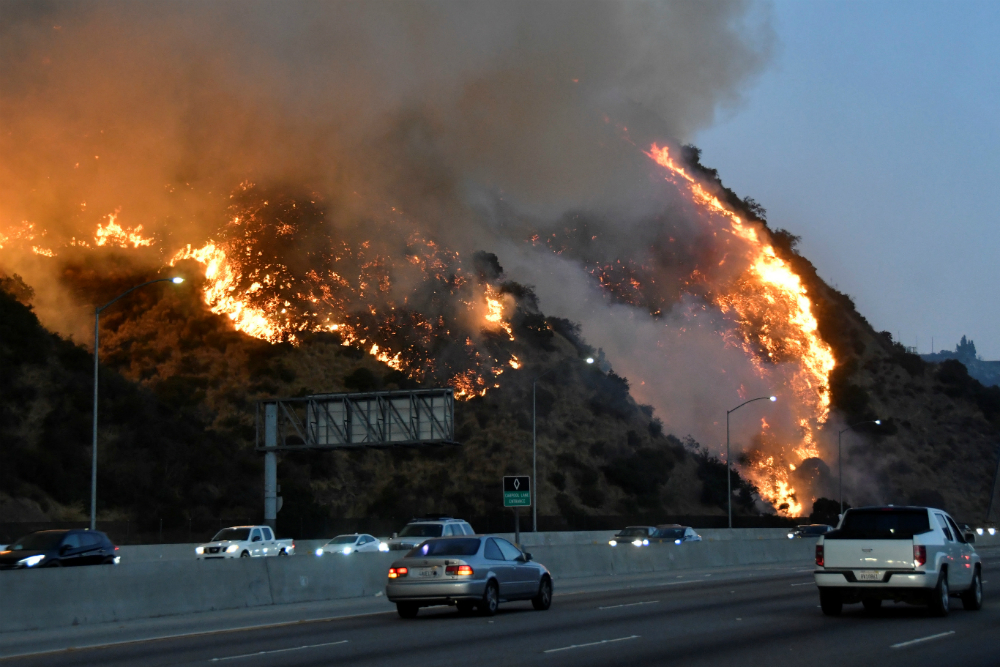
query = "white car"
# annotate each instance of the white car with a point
(917, 555)
(244, 542)
(352, 544)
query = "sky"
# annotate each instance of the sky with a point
(874, 135)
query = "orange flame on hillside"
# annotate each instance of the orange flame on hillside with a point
(113, 234)
(773, 308)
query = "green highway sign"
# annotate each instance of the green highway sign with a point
(517, 491)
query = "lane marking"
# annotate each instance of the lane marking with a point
(808, 583)
(279, 650)
(603, 641)
(923, 639)
(630, 604)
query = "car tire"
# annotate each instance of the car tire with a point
(407, 609)
(245, 554)
(543, 600)
(871, 605)
(939, 597)
(491, 599)
(972, 599)
(831, 602)
(465, 607)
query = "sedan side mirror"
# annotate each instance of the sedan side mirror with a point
(970, 537)
(526, 556)
(64, 549)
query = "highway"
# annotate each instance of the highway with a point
(764, 616)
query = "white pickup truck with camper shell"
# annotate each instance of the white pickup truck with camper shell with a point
(916, 555)
(244, 542)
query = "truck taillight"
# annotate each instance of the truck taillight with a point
(919, 555)
(397, 572)
(462, 570)
(819, 555)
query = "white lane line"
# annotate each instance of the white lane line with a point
(808, 583)
(603, 641)
(630, 604)
(923, 639)
(280, 650)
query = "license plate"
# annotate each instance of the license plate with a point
(869, 575)
(425, 572)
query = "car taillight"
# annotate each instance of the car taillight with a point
(116, 548)
(397, 572)
(462, 570)
(819, 555)
(919, 555)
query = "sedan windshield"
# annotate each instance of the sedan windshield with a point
(460, 547)
(232, 535)
(43, 541)
(422, 530)
(890, 524)
(671, 533)
(634, 531)
(344, 539)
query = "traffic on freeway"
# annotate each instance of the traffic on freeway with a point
(765, 615)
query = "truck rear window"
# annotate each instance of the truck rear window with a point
(888, 524)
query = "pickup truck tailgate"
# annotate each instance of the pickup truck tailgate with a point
(868, 554)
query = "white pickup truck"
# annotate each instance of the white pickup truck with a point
(244, 542)
(916, 555)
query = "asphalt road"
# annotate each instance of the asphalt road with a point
(772, 619)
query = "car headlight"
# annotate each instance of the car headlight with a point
(613, 543)
(118, 559)
(979, 531)
(199, 550)
(31, 561)
(791, 536)
(678, 541)
(645, 543)
(319, 552)
(382, 546)
(993, 531)
(346, 550)
(232, 548)
(637, 542)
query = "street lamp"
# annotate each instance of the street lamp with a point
(840, 457)
(93, 465)
(534, 449)
(729, 481)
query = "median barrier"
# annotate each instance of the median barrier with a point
(330, 577)
(61, 597)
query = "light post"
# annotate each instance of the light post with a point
(534, 450)
(729, 481)
(93, 464)
(840, 457)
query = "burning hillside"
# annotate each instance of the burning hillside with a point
(439, 189)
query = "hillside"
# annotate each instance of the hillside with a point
(177, 430)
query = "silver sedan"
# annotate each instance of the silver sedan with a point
(470, 572)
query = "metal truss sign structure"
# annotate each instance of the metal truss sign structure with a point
(342, 421)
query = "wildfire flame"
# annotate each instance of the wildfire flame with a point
(773, 308)
(113, 234)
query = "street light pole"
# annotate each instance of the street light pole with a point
(840, 458)
(534, 448)
(93, 462)
(729, 481)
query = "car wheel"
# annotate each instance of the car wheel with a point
(972, 599)
(543, 600)
(465, 607)
(245, 554)
(407, 609)
(491, 600)
(831, 602)
(871, 605)
(940, 595)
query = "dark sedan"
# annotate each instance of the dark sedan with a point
(59, 548)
